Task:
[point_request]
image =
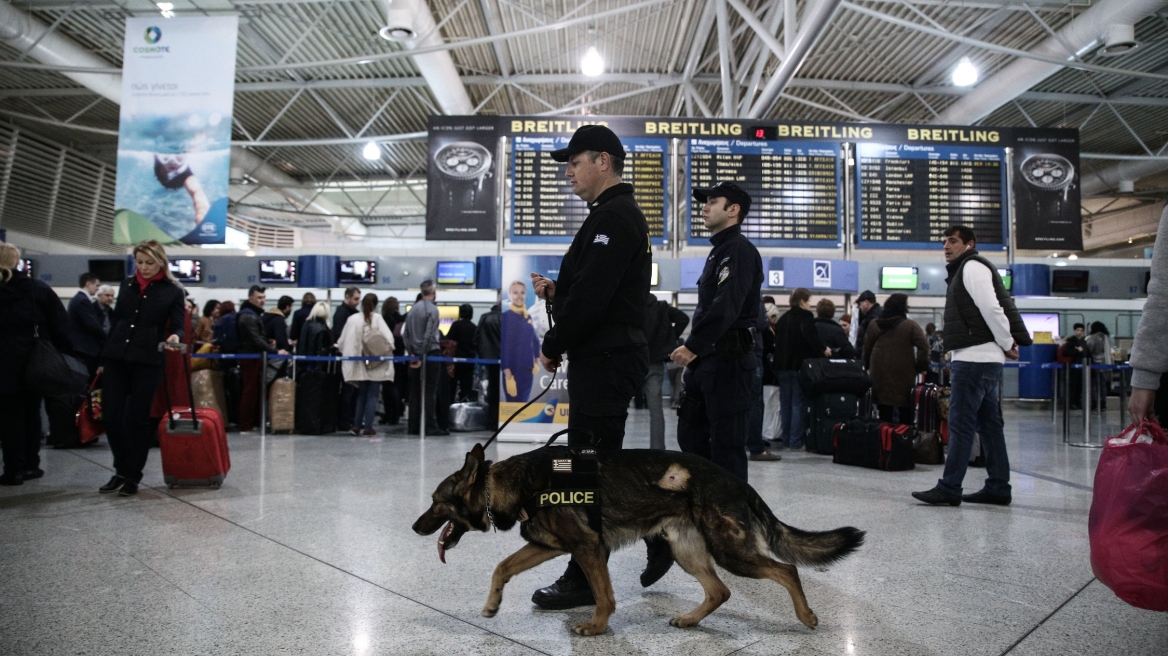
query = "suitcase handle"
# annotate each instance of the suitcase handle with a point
(182, 349)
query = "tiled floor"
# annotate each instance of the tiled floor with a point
(308, 549)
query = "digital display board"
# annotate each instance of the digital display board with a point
(1007, 276)
(277, 270)
(456, 273)
(899, 278)
(793, 187)
(356, 272)
(909, 194)
(543, 207)
(186, 270)
(1070, 281)
(25, 267)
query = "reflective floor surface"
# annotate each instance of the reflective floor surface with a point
(307, 549)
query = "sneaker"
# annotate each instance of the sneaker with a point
(984, 496)
(569, 591)
(354, 431)
(766, 455)
(937, 497)
(369, 432)
(112, 486)
(30, 474)
(129, 489)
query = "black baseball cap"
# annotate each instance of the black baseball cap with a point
(730, 192)
(591, 137)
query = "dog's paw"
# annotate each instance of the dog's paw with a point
(490, 611)
(590, 629)
(809, 620)
(682, 621)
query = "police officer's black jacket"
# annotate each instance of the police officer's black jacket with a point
(144, 318)
(727, 290)
(27, 307)
(603, 287)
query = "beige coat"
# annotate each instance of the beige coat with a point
(355, 371)
(892, 363)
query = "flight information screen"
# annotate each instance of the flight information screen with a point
(909, 194)
(793, 187)
(544, 209)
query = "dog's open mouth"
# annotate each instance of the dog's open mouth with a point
(446, 531)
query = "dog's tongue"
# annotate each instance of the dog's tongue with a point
(442, 541)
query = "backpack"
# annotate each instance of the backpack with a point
(373, 343)
(224, 333)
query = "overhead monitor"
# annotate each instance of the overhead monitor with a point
(1070, 281)
(108, 270)
(899, 278)
(363, 272)
(186, 270)
(25, 266)
(1007, 276)
(653, 277)
(1046, 322)
(456, 273)
(278, 271)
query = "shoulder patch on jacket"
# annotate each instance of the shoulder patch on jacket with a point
(600, 239)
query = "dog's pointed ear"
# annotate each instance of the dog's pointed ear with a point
(470, 468)
(478, 452)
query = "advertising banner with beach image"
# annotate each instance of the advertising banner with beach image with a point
(174, 136)
(524, 323)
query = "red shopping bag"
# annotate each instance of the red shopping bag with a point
(1129, 516)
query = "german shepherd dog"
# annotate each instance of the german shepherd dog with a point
(706, 514)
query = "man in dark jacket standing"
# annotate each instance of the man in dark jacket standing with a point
(795, 340)
(598, 304)
(275, 323)
(869, 312)
(463, 334)
(488, 341)
(85, 323)
(250, 329)
(982, 329)
(830, 332)
(301, 315)
(663, 327)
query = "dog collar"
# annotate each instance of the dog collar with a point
(487, 489)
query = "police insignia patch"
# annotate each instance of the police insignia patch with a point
(723, 275)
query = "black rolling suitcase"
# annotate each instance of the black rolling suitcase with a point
(823, 375)
(875, 445)
(316, 402)
(823, 413)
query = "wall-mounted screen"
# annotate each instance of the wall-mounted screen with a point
(1007, 276)
(899, 278)
(356, 272)
(277, 270)
(653, 278)
(1069, 281)
(456, 273)
(1045, 322)
(108, 270)
(186, 270)
(25, 266)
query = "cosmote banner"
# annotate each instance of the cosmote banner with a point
(174, 137)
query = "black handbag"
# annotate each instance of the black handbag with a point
(824, 375)
(52, 373)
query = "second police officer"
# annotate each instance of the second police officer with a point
(719, 353)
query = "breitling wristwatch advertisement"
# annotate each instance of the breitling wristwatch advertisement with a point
(461, 199)
(1046, 190)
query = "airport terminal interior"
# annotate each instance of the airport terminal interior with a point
(313, 147)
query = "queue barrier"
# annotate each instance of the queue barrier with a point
(266, 357)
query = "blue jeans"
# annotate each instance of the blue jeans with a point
(367, 392)
(791, 408)
(974, 410)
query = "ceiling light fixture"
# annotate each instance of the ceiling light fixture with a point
(1072, 256)
(592, 64)
(371, 151)
(965, 75)
(166, 8)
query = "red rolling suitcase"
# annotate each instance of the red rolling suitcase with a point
(194, 446)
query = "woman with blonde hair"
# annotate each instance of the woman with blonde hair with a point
(150, 310)
(369, 336)
(28, 309)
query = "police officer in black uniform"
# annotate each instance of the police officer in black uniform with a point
(719, 353)
(598, 304)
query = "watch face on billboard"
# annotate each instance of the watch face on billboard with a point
(899, 278)
(278, 271)
(461, 176)
(356, 272)
(1046, 189)
(456, 273)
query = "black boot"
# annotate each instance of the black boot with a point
(569, 591)
(660, 558)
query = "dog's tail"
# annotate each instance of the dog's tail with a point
(799, 547)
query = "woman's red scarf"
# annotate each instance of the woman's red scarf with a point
(142, 281)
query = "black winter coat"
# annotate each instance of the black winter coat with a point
(26, 304)
(463, 333)
(796, 339)
(833, 337)
(85, 325)
(276, 327)
(249, 327)
(489, 337)
(143, 319)
(663, 327)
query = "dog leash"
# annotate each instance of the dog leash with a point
(525, 406)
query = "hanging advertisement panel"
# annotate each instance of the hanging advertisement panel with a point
(1046, 190)
(460, 199)
(174, 134)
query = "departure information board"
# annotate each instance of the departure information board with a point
(793, 187)
(909, 194)
(544, 209)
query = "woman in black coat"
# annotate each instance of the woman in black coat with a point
(28, 308)
(150, 310)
